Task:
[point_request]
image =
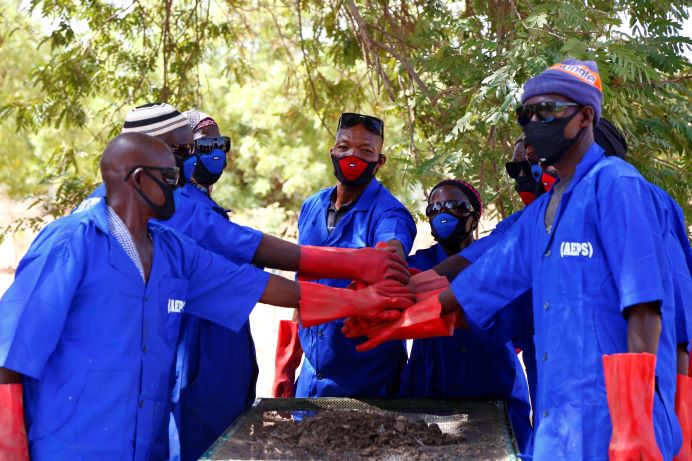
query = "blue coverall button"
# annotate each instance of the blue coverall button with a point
(320, 333)
(144, 348)
(545, 414)
(545, 356)
(462, 349)
(320, 376)
(547, 253)
(546, 306)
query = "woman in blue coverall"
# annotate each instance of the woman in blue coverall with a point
(216, 368)
(465, 365)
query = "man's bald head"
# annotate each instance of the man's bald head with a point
(128, 151)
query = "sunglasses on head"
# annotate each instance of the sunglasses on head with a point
(170, 174)
(206, 145)
(529, 169)
(182, 150)
(545, 112)
(457, 206)
(372, 124)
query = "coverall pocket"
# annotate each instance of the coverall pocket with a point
(172, 299)
(54, 408)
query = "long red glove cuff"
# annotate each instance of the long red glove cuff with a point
(629, 381)
(425, 320)
(321, 304)
(683, 408)
(13, 442)
(324, 262)
(288, 355)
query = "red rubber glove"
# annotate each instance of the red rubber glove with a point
(13, 442)
(422, 320)
(683, 408)
(320, 303)
(629, 381)
(288, 355)
(367, 265)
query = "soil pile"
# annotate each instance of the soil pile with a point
(358, 435)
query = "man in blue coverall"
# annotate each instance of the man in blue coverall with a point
(591, 252)
(91, 321)
(466, 365)
(358, 212)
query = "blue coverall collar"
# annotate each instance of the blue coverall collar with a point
(364, 202)
(593, 155)
(116, 254)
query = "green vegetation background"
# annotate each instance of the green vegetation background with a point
(445, 76)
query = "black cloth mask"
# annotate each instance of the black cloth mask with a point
(166, 210)
(548, 139)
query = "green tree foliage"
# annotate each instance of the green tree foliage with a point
(445, 76)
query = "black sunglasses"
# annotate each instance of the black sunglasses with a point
(170, 174)
(372, 124)
(206, 145)
(458, 206)
(546, 111)
(529, 169)
(182, 150)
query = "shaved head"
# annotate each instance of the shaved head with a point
(124, 154)
(130, 150)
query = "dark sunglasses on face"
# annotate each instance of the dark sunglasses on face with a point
(372, 124)
(545, 112)
(457, 206)
(206, 145)
(182, 150)
(170, 174)
(514, 168)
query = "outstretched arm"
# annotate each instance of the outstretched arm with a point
(367, 265)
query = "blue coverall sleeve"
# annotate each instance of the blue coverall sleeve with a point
(496, 279)
(396, 224)
(632, 240)
(34, 309)
(202, 224)
(219, 290)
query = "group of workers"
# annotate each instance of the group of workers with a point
(590, 281)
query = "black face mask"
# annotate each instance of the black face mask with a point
(548, 139)
(353, 171)
(526, 188)
(161, 212)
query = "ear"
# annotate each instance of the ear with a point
(587, 116)
(137, 178)
(472, 223)
(331, 150)
(382, 160)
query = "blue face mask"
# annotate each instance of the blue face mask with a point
(443, 225)
(205, 169)
(449, 230)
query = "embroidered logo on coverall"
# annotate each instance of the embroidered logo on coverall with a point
(576, 249)
(175, 306)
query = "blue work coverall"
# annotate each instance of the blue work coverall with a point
(96, 344)
(332, 367)
(602, 255)
(467, 365)
(216, 368)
